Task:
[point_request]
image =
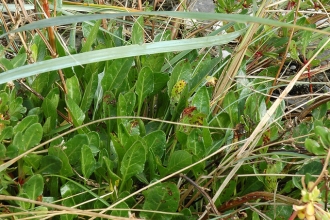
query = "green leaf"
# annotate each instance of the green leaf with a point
(114, 53)
(32, 136)
(156, 142)
(73, 87)
(206, 69)
(121, 213)
(126, 103)
(91, 37)
(181, 71)
(160, 83)
(178, 160)
(66, 169)
(116, 72)
(87, 161)
(6, 133)
(323, 134)
(34, 186)
(49, 107)
(312, 168)
(33, 161)
(78, 116)
(275, 166)
(89, 93)
(163, 197)
(2, 152)
(230, 105)
(73, 148)
(25, 123)
(144, 85)
(280, 212)
(201, 101)
(154, 61)
(138, 31)
(16, 109)
(133, 161)
(19, 60)
(50, 165)
(314, 147)
(94, 142)
(194, 143)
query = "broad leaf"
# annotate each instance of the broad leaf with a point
(164, 198)
(138, 31)
(115, 73)
(133, 161)
(144, 85)
(87, 161)
(66, 169)
(34, 186)
(50, 165)
(73, 148)
(72, 84)
(178, 160)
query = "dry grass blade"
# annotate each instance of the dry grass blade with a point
(229, 74)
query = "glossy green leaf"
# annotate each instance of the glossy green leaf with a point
(50, 165)
(163, 197)
(201, 101)
(126, 103)
(144, 85)
(89, 93)
(78, 116)
(73, 87)
(115, 73)
(87, 161)
(25, 123)
(314, 147)
(66, 169)
(138, 31)
(34, 186)
(73, 148)
(6, 133)
(133, 161)
(323, 134)
(32, 136)
(178, 160)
